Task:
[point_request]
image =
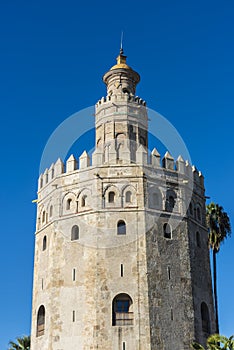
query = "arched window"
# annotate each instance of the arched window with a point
(44, 244)
(170, 200)
(83, 201)
(111, 197)
(43, 216)
(68, 204)
(121, 310)
(40, 321)
(125, 91)
(121, 228)
(51, 210)
(198, 239)
(198, 213)
(74, 233)
(167, 231)
(128, 197)
(142, 141)
(191, 209)
(205, 318)
(195, 212)
(155, 200)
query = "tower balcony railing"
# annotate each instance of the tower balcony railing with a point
(124, 318)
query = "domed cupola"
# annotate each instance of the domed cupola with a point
(121, 79)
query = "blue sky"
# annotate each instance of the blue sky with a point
(53, 55)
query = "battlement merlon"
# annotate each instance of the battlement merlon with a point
(166, 166)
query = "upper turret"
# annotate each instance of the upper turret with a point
(121, 78)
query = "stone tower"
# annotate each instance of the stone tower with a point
(121, 256)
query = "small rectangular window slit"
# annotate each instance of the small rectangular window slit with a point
(42, 284)
(169, 272)
(74, 274)
(73, 316)
(121, 270)
(124, 346)
(172, 314)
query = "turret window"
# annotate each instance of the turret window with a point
(128, 197)
(51, 211)
(170, 200)
(68, 204)
(83, 201)
(44, 244)
(121, 227)
(111, 197)
(155, 200)
(198, 239)
(75, 233)
(167, 231)
(198, 213)
(43, 216)
(191, 209)
(40, 321)
(205, 318)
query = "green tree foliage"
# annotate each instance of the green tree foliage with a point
(216, 342)
(22, 343)
(219, 227)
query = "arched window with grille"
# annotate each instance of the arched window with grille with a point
(74, 233)
(40, 321)
(167, 231)
(122, 314)
(205, 317)
(44, 244)
(121, 227)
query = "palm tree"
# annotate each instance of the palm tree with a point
(22, 343)
(216, 342)
(219, 227)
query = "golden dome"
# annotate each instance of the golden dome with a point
(121, 62)
(120, 65)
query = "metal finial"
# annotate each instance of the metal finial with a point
(121, 44)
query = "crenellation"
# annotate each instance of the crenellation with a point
(155, 158)
(180, 165)
(51, 172)
(84, 160)
(58, 167)
(141, 155)
(108, 100)
(45, 177)
(71, 164)
(168, 161)
(201, 177)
